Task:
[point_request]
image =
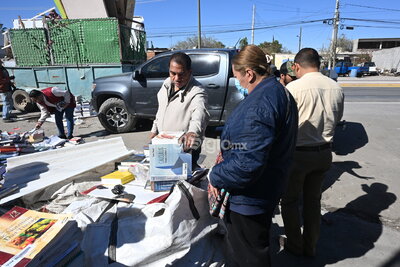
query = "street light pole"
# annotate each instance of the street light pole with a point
(300, 38)
(252, 24)
(199, 29)
(332, 53)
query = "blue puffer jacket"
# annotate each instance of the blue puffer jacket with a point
(257, 145)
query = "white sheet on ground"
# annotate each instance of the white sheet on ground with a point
(37, 171)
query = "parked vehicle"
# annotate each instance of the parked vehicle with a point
(121, 100)
(371, 68)
(344, 68)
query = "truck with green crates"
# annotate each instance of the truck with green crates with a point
(71, 54)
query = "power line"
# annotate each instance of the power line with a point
(236, 30)
(373, 20)
(371, 26)
(381, 8)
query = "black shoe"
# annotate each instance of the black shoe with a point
(62, 136)
(7, 120)
(70, 137)
(283, 245)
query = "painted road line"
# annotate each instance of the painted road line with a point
(369, 84)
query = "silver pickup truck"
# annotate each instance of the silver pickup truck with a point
(121, 100)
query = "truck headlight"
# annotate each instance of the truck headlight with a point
(93, 86)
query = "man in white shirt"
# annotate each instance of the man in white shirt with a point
(320, 104)
(54, 100)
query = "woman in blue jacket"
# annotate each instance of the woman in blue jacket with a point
(257, 144)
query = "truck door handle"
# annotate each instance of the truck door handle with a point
(212, 86)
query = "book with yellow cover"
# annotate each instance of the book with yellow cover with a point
(117, 177)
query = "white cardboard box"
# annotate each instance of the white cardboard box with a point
(169, 162)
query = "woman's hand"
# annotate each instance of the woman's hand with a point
(212, 190)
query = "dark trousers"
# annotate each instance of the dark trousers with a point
(195, 157)
(248, 238)
(306, 175)
(69, 117)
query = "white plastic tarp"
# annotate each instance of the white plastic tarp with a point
(160, 234)
(37, 171)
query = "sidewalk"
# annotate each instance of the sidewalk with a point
(360, 199)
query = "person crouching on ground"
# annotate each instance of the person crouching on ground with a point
(257, 145)
(54, 100)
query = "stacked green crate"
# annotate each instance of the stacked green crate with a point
(29, 47)
(85, 41)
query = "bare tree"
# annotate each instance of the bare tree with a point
(343, 44)
(191, 42)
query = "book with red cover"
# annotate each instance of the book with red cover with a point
(25, 234)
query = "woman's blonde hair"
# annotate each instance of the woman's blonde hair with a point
(252, 57)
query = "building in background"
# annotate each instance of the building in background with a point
(373, 44)
(279, 59)
(387, 60)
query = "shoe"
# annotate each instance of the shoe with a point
(7, 120)
(283, 245)
(62, 136)
(70, 137)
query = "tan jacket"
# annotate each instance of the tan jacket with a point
(320, 102)
(186, 111)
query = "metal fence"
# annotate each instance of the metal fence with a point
(78, 42)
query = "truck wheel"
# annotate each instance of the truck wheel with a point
(23, 102)
(114, 116)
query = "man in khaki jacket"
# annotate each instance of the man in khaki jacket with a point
(182, 105)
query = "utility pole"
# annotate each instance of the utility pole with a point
(300, 38)
(332, 52)
(252, 24)
(199, 29)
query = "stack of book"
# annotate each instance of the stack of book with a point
(84, 110)
(130, 162)
(168, 162)
(31, 238)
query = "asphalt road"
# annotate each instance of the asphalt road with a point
(372, 94)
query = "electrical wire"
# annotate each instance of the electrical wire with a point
(381, 8)
(234, 30)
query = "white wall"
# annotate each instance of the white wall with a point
(387, 59)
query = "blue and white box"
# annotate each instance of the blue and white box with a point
(169, 162)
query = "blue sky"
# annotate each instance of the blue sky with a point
(170, 21)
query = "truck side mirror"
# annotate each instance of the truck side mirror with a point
(136, 75)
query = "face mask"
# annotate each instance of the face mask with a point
(242, 90)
